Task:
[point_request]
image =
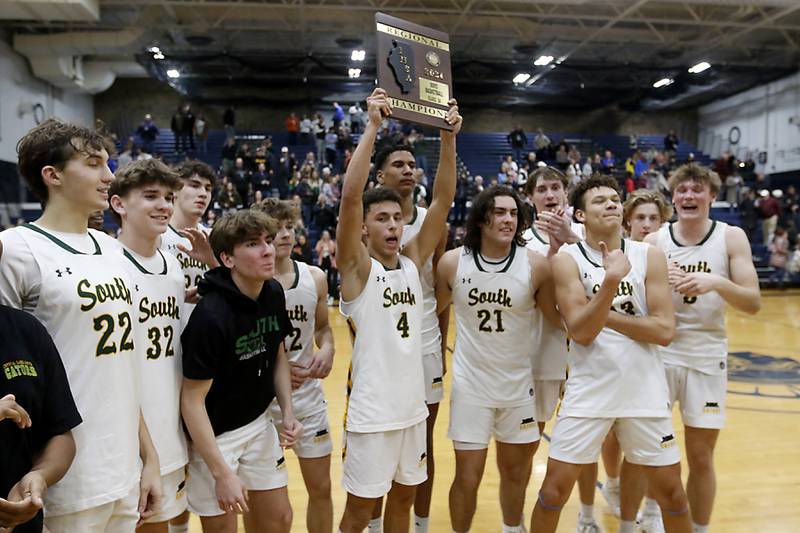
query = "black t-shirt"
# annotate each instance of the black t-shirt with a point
(234, 341)
(33, 372)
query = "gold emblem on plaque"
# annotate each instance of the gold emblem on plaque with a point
(433, 58)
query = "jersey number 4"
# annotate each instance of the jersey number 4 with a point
(485, 316)
(105, 324)
(402, 325)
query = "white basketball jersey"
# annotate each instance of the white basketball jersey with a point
(386, 385)
(701, 341)
(615, 376)
(158, 299)
(549, 354)
(85, 301)
(431, 334)
(193, 270)
(301, 306)
(494, 308)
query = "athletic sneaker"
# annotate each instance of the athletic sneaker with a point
(588, 527)
(611, 495)
(651, 523)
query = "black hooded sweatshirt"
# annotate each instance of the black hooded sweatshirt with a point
(233, 340)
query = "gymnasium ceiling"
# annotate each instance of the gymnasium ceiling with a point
(290, 51)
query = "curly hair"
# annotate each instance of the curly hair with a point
(280, 210)
(53, 143)
(479, 215)
(576, 197)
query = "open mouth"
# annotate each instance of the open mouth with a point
(689, 208)
(392, 240)
(551, 206)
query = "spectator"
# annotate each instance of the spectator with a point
(211, 218)
(733, 185)
(749, 213)
(326, 260)
(229, 122)
(779, 255)
(229, 199)
(260, 180)
(201, 132)
(542, 144)
(531, 160)
(302, 249)
(587, 169)
(176, 125)
(768, 209)
(338, 115)
(283, 171)
(331, 138)
(229, 152)
(608, 164)
(307, 199)
(356, 122)
(305, 130)
(292, 124)
(640, 165)
(188, 125)
(128, 154)
(562, 156)
(477, 186)
(240, 178)
(324, 215)
(148, 133)
(763, 182)
(630, 183)
(724, 166)
(318, 127)
(671, 142)
(518, 141)
(633, 142)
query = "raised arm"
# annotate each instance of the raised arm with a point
(658, 327)
(424, 243)
(351, 255)
(585, 317)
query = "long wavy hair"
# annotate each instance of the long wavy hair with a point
(479, 215)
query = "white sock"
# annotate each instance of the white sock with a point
(627, 527)
(512, 529)
(697, 528)
(375, 525)
(612, 482)
(420, 524)
(179, 528)
(651, 506)
(587, 513)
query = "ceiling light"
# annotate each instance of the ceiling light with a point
(158, 55)
(522, 77)
(700, 67)
(154, 50)
(173, 73)
(354, 72)
(663, 82)
(358, 55)
(542, 61)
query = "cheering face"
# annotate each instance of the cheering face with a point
(194, 196)
(284, 240)
(602, 211)
(502, 221)
(383, 228)
(692, 200)
(548, 195)
(398, 172)
(253, 259)
(644, 220)
(145, 211)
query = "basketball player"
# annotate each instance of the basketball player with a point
(74, 281)
(234, 365)
(186, 237)
(546, 189)
(643, 213)
(396, 166)
(710, 265)
(141, 203)
(382, 298)
(306, 290)
(495, 284)
(614, 296)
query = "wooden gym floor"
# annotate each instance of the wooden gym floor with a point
(757, 458)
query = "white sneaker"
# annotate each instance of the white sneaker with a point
(588, 527)
(651, 523)
(611, 495)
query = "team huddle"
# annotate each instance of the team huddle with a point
(182, 363)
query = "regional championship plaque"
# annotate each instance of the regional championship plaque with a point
(414, 69)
